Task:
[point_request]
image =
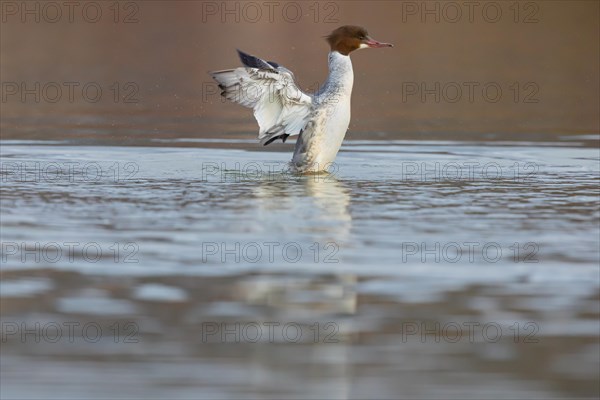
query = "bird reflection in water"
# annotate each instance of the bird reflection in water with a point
(317, 207)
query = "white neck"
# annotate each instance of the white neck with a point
(341, 75)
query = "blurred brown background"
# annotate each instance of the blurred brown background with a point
(157, 54)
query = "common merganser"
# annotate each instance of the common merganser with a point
(282, 109)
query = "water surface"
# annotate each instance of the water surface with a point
(414, 270)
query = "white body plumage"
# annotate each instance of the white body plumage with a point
(322, 137)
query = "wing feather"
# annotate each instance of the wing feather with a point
(280, 107)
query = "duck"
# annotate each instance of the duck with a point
(320, 120)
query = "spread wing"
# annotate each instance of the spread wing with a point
(280, 107)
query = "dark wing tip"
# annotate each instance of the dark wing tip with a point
(248, 60)
(254, 62)
(283, 138)
(268, 142)
(243, 56)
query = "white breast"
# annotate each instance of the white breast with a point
(319, 144)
